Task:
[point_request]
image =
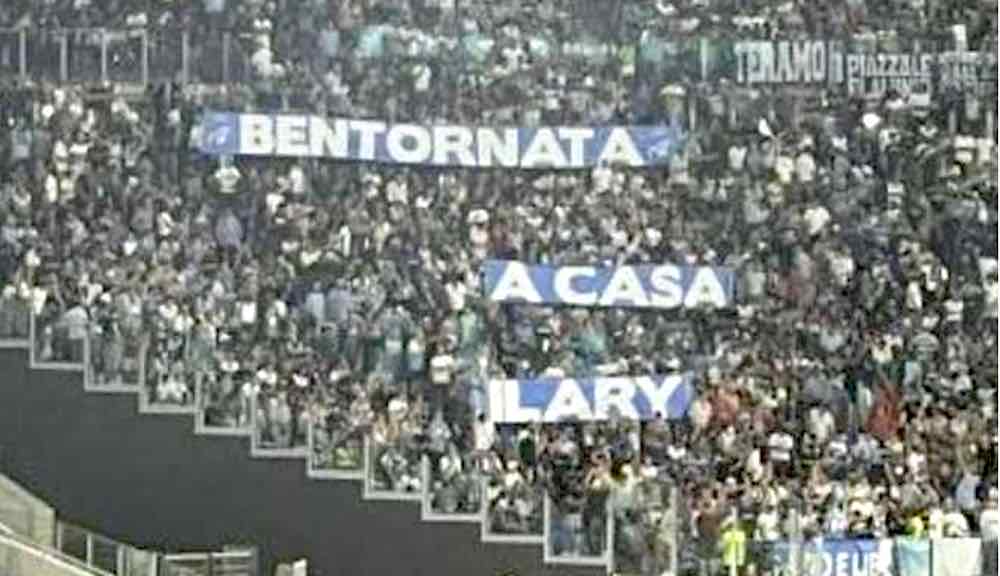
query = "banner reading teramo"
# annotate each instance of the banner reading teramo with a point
(647, 286)
(308, 136)
(867, 74)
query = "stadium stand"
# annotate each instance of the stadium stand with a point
(840, 384)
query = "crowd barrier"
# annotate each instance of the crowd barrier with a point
(22, 557)
(234, 562)
(26, 515)
(103, 553)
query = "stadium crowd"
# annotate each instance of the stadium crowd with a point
(853, 391)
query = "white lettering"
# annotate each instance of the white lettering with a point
(455, 140)
(666, 289)
(842, 563)
(366, 144)
(624, 287)
(659, 396)
(818, 61)
(505, 403)
(563, 285)
(904, 67)
(835, 67)
(785, 73)
(705, 289)
(741, 51)
(620, 149)
(256, 134)
(765, 63)
(492, 148)
(417, 151)
(515, 284)
(827, 569)
(616, 393)
(324, 142)
(926, 64)
(544, 150)
(855, 84)
(861, 565)
(801, 68)
(568, 402)
(577, 138)
(292, 138)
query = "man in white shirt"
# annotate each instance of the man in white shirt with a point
(75, 322)
(780, 446)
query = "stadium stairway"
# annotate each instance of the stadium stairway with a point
(503, 554)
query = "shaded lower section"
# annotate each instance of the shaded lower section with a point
(149, 481)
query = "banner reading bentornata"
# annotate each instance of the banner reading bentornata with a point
(309, 136)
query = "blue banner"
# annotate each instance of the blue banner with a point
(646, 286)
(827, 557)
(308, 136)
(589, 399)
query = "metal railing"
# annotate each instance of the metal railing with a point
(22, 557)
(26, 515)
(236, 562)
(104, 554)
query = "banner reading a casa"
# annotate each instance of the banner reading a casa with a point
(589, 399)
(557, 147)
(665, 286)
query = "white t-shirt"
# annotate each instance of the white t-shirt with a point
(228, 178)
(821, 424)
(485, 434)
(248, 312)
(441, 369)
(767, 526)
(456, 295)
(955, 525)
(76, 323)
(989, 524)
(780, 445)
